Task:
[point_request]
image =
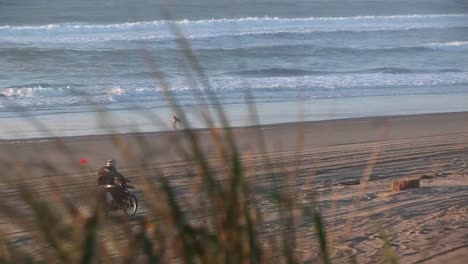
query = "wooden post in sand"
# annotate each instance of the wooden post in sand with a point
(403, 185)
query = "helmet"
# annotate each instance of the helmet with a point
(111, 163)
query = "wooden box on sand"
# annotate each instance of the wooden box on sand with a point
(403, 185)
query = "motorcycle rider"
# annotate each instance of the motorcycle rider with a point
(109, 175)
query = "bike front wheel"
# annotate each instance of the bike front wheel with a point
(130, 205)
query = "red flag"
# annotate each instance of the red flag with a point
(83, 160)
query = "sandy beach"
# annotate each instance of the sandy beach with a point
(345, 166)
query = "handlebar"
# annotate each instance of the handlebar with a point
(110, 186)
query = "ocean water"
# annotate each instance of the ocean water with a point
(63, 63)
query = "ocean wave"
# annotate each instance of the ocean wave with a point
(376, 78)
(379, 81)
(291, 72)
(301, 49)
(394, 70)
(368, 51)
(308, 51)
(256, 50)
(402, 70)
(134, 92)
(223, 21)
(45, 90)
(451, 45)
(37, 91)
(31, 52)
(272, 72)
(79, 32)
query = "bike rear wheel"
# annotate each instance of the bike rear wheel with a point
(130, 205)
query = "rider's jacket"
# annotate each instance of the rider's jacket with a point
(107, 174)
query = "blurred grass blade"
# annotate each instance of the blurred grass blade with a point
(317, 220)
(47, 221)
(90, 238)
(388, 253)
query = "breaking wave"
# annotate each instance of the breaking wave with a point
(80, 32)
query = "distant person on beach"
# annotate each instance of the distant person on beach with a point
(109, 175)
(176, 123)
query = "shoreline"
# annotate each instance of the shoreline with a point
(147, 120)
(316, 123)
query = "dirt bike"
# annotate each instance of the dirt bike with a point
(129, 202)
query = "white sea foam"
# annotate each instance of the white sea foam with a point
(79, 32)
(120, 94)
(231, 90)
(37, 91)
(246, 19)
(329, 81)
(449, 44)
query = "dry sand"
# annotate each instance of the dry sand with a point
(348, 164)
